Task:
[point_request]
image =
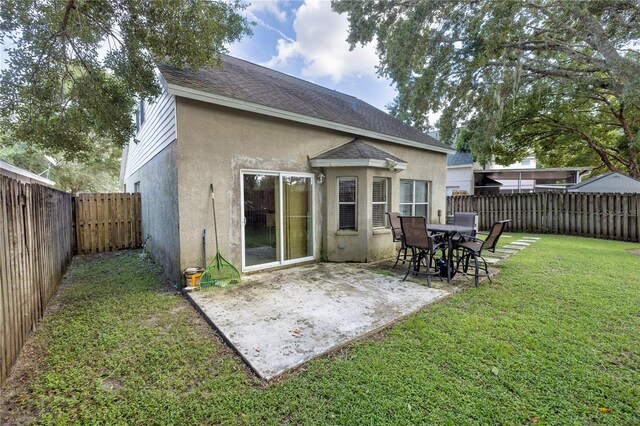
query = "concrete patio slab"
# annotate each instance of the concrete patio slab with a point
(278, 320)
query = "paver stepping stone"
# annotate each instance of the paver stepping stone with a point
(500, 254)
(502, 250)
(492, 260)
(520, 243)
(531, 238)
(510, 246)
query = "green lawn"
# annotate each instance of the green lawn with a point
(552, 341)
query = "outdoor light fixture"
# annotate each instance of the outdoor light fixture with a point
(320, 178)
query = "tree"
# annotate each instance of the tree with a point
(76, 68)
(549, 75)
(99, 172)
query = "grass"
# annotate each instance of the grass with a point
(553, 341)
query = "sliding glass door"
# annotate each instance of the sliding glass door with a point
(278, 218)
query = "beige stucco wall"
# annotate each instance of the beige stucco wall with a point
(216, 143)
(160, 222)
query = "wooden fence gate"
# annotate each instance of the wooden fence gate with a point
(602, 215)
(106, 222)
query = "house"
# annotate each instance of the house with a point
(300, 172)
(608, 182)
(460, 166)
(23, 175)
(466, 177)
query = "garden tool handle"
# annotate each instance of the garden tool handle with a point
(215, 224)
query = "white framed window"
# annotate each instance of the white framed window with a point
(414, 198)
(136, 187)
(380, 201)
(347, 203)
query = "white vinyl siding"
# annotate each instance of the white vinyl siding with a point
(157, 131)
(380, 202)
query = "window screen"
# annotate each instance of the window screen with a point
(347, 196)
(380, 201)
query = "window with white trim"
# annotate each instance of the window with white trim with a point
(380, 201)
(347, 199)
(414, 198)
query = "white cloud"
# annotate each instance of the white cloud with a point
(321, 44)
(268, 6)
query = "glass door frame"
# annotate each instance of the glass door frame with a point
(280, 218)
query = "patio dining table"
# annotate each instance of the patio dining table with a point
(449, 232)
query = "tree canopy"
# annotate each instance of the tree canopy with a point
(76, 68)
(99, 172)
(561, 78)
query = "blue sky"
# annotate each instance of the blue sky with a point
(306, 39)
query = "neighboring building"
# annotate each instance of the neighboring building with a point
(23, 175)
(460, 168)
(608, 182)
(466, 177)
(300, 172)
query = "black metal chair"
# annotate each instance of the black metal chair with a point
(396, 232)
(467, 219)
(473, 247)
(422, 245)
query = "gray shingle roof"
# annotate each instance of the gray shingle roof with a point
(622, 182)
(253, 83)
(357, 149)
(460, 159)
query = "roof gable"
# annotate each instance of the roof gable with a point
(251, 85)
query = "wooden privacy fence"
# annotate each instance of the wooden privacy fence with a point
(35, 248)
(603, 215)
(107, 222)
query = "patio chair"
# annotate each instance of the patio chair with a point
(422, 244)
(396, 232)
(472, 248)
(468, 219)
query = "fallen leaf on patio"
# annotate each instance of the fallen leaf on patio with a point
(495, 371)
(296, 331)
(604, 410)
